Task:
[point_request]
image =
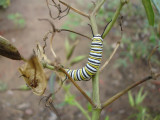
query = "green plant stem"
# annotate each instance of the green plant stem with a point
(85, 113)
(76, 103)
(115, 97)
(115, 16)
(95, 95)
(95, 79)
(95, 88)
(92, 17)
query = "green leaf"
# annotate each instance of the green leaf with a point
(3, 86)
(149, 11)
(131, 99)
(72, 36)
(70, 99)
(121, 63)
(157, 5)
(17, 19)
(67, 46)
(51, 82)
(140, 97)
(89, 107)
(70, 48)
(67, 87)
(77, 59)
(107, 118)
(23, 87)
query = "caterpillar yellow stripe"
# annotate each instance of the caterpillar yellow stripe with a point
(93, 63)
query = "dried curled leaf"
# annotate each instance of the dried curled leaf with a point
(41, 55)
(33, 74)
(8, 50)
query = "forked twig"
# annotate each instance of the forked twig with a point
(53, 67)
(60, 11)
(77, 86)
(60, 30)
(115, 97)
(52, 36)
(74, 9)
(117, 45)
(152, 76)
(49, 104)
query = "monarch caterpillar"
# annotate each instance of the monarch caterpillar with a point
(94, 61)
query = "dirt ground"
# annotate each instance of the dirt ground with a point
(24, 105)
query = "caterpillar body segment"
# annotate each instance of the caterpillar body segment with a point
(93, 63)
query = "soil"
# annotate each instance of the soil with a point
(24, 105)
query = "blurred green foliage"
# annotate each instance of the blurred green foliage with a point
(138, 39)
(140, 112)
(17, 19)
(3, 86)
(4, 3)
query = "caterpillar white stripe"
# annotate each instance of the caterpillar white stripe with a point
(94, 61)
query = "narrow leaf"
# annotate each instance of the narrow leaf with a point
(107, 118)
(67, 47)
(71, 49)
(157, 5)
(77, 59)
(51, 82)
(149, 11)
(22, 88)
(131, 100)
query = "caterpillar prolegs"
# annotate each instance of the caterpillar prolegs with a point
(94, 61)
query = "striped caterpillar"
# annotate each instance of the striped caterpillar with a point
(94, 61)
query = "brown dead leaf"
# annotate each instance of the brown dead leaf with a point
(33, 74)
(41, 55)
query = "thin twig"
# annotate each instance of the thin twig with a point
(50, 105)
(75, 33)
(45, 39)
(50, 13)
(115, 97)
(149, 61)
(110, 57)
(74, 9)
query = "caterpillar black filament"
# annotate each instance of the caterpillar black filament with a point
(94, 61)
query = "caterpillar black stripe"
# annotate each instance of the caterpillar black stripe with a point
(94, 60)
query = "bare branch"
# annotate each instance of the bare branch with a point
(60, 11)
(74, 9)
(115, 97)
